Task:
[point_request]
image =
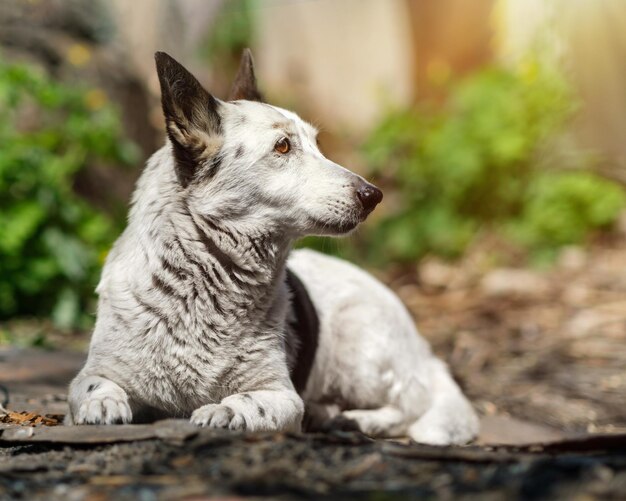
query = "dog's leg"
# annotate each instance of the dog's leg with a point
(450, 419)
(385, 422)
(97, 400)
(263, 410)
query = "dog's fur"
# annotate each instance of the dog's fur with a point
(193, 317)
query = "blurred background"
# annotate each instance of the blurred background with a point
(495, 128)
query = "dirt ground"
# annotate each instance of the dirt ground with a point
(541, 354)
(548, 347)
(213, 465)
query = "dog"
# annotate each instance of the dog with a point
(206, 313)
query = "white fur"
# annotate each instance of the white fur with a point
(372, 357)
(193, 310)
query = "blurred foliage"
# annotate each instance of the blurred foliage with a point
(476, 162)
(52, 242)
(231, 32)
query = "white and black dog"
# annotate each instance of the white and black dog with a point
(206, 313)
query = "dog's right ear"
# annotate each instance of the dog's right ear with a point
(244, 86)
(191, 117)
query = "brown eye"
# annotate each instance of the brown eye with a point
(282, 146)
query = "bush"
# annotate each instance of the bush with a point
(476, 162)
(52, 242)
(563, 209)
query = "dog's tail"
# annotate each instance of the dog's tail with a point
(450, 419)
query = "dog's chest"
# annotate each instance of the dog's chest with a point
(211, 345)
(198, 362)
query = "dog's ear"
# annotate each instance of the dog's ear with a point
(191, 117)
(244, 86)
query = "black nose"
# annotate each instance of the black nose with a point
(370, 196)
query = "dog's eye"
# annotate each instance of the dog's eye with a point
(282, 146)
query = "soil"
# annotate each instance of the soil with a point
(337, 465)
(544, 346)
(540, 353)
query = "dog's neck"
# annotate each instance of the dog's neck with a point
(258, 253)
(238, 264)
(240, 269)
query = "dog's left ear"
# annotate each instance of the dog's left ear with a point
(244, 86)
(191, 117)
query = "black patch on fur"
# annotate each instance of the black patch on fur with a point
(172, 269)
(214, 296)
(181, 248)
(261, 411)
(206, 347)
(239, 151)
(201, 268)
(227, 375)
(165, 288)
(211, 247)
(93, 387)
(185, 163)
(306, 327)
(121, 320)
(246, 396)
(214, 165)
(168, 290)
(189, 367)
(208, 171)
(215, 227)
(257, 244)
(153, 310)
(229, 412)
(212, 287)
(181, 341)
(274, 420)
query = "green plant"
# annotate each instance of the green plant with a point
(231, 32)
(52, 242)
(476, 162)
(562, 210)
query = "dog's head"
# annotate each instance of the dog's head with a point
(259, 164)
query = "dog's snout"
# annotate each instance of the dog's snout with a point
(370, 196)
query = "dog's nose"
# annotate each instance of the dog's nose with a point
(370, 196)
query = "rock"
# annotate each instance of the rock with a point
(506, 430)
(601, 319)
(572, 258)
(509, 282)
(577, 295)
(436, 273)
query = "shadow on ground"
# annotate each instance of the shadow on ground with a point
(172, 459)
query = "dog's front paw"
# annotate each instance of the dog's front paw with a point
(105, 408)
(219, 416)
